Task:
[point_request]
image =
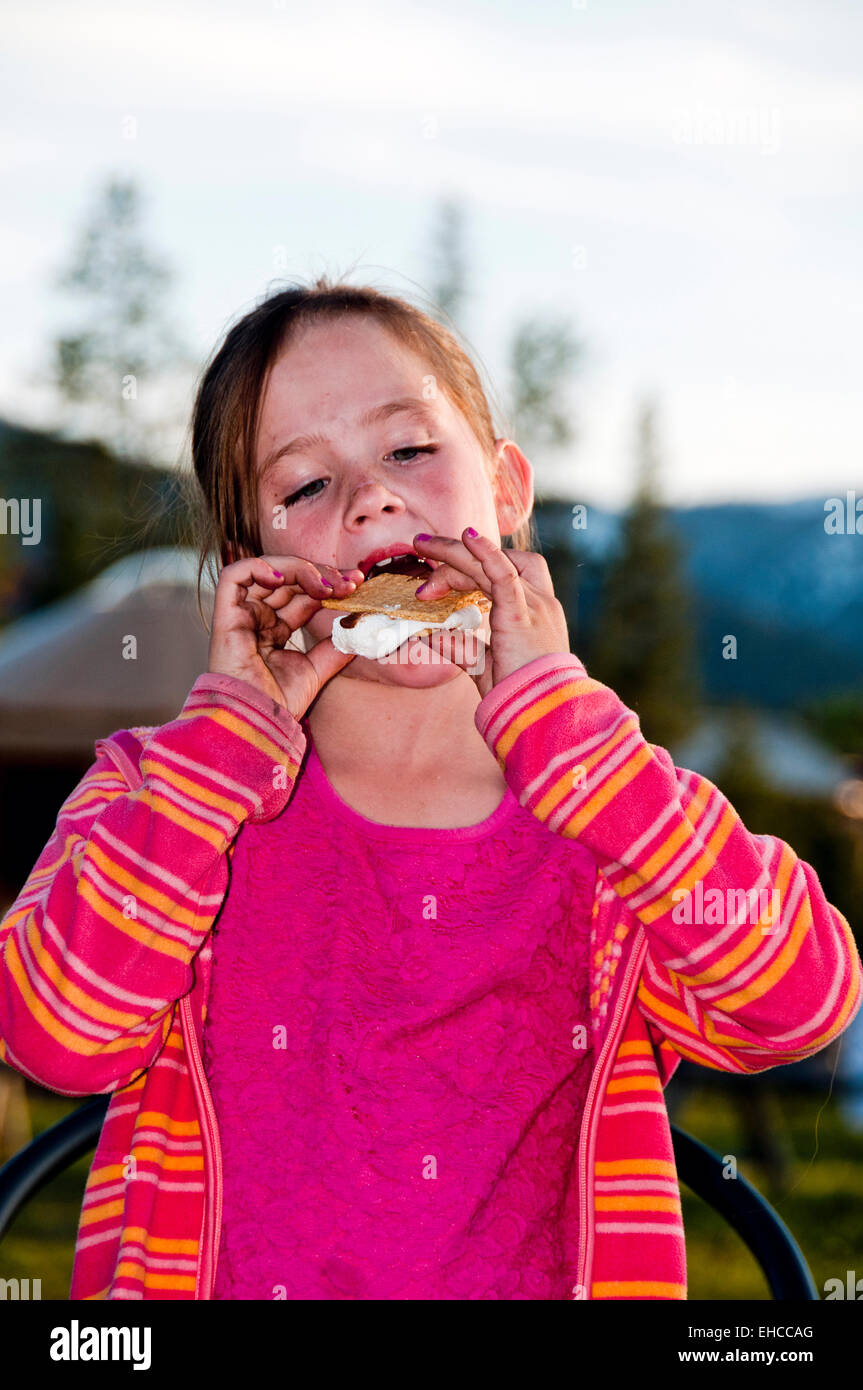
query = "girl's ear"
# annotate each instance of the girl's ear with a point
(513, 486)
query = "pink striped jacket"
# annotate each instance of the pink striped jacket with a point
(708, 942)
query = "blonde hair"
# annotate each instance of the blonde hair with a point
(228, 401)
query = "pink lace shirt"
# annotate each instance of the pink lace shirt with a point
(399, 1085)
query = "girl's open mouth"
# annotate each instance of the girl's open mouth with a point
(410, 565)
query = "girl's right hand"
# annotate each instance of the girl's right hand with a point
(255, 613)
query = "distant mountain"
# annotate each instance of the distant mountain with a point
(769, 574)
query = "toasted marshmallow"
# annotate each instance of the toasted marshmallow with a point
(376, 635)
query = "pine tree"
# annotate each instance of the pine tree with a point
(740, 774)
(644, 647)
(449, 274)
(543, 356)
(122, 360)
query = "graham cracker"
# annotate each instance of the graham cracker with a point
(394, 596)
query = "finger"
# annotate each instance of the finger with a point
(235, 582)
(447, 578)
(255, 578)
(463, 648)
(270, 629)
(295, 570)
(327, 659)
(272, 580)
(457, 567)
(533, 569)
(507, 591)
(490, 567)
(299, 609)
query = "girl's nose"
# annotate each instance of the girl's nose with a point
(371, 500)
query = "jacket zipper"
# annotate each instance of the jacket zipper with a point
(595, 1096)
(212, 1220)
(211, 1224)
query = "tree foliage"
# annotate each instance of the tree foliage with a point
(109, 364)
(543, 356)
(644, 645)
(449, 260)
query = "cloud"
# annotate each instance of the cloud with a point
(562, 80)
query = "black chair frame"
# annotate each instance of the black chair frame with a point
(759, 1226)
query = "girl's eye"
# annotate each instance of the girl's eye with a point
(295, 497)
(413, 449)
(408, 449)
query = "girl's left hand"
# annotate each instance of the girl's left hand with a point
(526, 619)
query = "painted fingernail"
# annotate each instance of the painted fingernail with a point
(421, 587)
(326, 581)
(421, 536)
(277, 573)
(472, 532)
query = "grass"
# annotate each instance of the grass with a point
(40, 1242)
(822, 1203)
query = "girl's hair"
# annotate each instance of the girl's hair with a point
(228, 401)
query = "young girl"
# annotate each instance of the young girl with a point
(385, 963)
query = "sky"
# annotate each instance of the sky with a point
(681, 183)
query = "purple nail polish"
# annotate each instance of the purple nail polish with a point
(472, 532)
(326, 581)
(421, 587)
(421, 536)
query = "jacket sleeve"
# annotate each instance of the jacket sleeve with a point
(748, 966)
(97, 948)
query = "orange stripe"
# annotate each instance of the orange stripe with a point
(91, 1215)
(570, 691)
(143, 890)
(561, 789)
(243, 730)
(54, 972)
(607, 793)
(156, 1118)
(637, 1288)
(129, 1269)
(143, 933)
(634, 1083)
(148, 1153)
(57, 1030)
(159, 1245)
(638, 1204)
(642, 1167)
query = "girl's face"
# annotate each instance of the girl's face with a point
(377, 454)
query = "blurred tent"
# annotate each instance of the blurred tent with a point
(123, 650)
(791, 758)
